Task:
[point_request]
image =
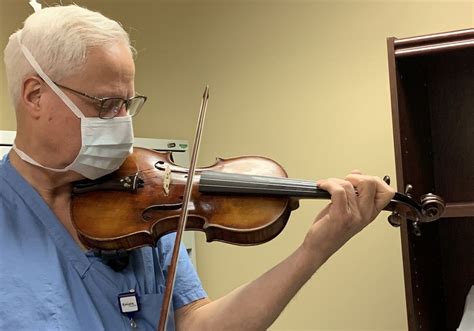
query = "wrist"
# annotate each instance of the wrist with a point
(320, 244)
(311, 257)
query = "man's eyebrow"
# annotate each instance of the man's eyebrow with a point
(114, 94)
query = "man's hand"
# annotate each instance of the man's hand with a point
(355, 202)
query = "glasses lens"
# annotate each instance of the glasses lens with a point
(135, 104)
(111, 107)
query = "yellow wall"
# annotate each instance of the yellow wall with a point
(302, 82)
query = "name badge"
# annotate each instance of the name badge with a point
(128, 302)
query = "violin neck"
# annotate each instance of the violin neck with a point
(230, 183)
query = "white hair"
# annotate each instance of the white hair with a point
(58, 38)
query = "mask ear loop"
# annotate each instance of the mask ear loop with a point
(48, 80)
(36, 6)
(29, 57)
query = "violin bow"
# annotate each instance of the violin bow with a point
(170, 280)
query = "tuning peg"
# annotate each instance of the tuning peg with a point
(386, 179)
(395, 219)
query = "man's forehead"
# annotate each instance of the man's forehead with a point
(110, 55)
(108, 67)
(110, 59)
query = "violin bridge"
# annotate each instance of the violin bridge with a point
(167, 180)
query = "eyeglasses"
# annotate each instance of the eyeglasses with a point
(110, 107)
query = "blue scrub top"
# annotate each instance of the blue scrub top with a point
(48, 283)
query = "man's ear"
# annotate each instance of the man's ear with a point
(31, 95)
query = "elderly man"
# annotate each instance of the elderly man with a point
(71, 78)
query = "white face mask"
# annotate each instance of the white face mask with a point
(106, 143)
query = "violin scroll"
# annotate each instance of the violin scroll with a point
(430, 208)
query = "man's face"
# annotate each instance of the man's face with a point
(109, 71)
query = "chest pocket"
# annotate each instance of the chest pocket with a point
(150, 308)
(147, 270)
(143, 274)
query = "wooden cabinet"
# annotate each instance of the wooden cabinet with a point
(432, 96)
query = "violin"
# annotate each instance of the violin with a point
(243, 200)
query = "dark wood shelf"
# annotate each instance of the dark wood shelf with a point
(432, 98)
(459, 209)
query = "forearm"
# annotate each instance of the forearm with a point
(256, 305)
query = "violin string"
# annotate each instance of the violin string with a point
(265, 180)
(246, 182)
(264, 189)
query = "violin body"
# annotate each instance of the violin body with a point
(110, 215)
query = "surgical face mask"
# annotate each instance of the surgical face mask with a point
(105, 143)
